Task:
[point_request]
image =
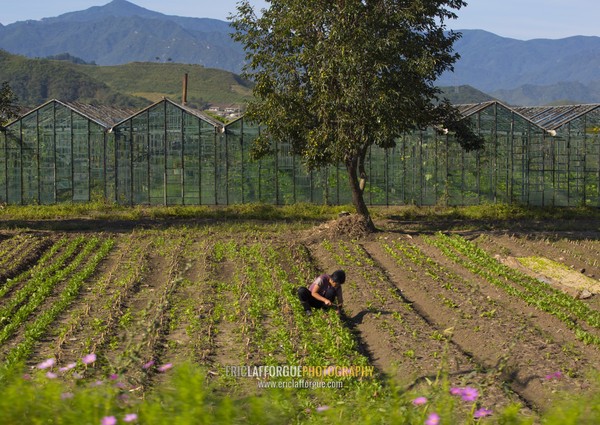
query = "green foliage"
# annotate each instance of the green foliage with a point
(8, 104)
(334, 78)
(188, 397)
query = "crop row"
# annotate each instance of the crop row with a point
(76, 273)
(534, 292)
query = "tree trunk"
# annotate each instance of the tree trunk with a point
(357, 194)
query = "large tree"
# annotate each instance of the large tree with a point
(334, 77)
(8, 104)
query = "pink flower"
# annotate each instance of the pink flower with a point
(555, 375)
(51, 375)
(480, 413)
(109, 420)
(89, 359)
(455, 391)
(27, 377)
(322, 408)
(469, 394)
(433, 419)
(165, 367)
(130, 417)
(113, 377)
(67, 367)
(329, 371)
(419, 401)
(46, 364)
(148, 365)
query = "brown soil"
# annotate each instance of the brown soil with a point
(412, 320)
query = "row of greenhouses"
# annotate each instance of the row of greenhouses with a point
(170, 154)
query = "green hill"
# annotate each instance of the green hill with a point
(36, 81)
(152, 81)
(137, 84)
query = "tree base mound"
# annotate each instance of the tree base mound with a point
(352, 226)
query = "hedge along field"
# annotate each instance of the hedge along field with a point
(145, 324)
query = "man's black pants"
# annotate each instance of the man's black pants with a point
(308, 301)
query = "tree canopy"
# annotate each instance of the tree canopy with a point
(334, 77)
(8, 104)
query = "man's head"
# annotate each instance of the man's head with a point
(338, 277)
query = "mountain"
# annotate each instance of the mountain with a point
(515, 71)
(489, 62)
(136, 84)
(564, 93)
(121, 32)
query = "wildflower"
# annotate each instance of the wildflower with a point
(419, 401)
(120, 385)
(46, 364)
(148, 365)
(433, 419)
(97, 383)
(51, 375)
(455, 391)
(67, 367)
(322, 408)
(165, 367)
(113, 377)
(26, 377)
(555, 375)
(480, 413)
(109, 420)
(65, 396)
(130, 417)
(469, 394)
(89, 358)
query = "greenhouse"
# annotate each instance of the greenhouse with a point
(58, 152)
(170, 154)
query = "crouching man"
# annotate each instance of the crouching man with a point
(323, 292)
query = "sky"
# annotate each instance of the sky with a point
(520, 19)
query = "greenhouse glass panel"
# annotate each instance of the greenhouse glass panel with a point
(174, 148)
(98, 158)
(137, 137)
(395, 188)
(208, 166)
(592, 158)
(286, 182)
(81, 158)
(375, 187)
(3, 169)
(234, 144)
(302, 182)
(64, 154)
(13, 163)
(47, 152)
(123, 164)
(158, 152)
(29, 160)
(192, 128)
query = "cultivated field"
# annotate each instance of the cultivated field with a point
(509, 311)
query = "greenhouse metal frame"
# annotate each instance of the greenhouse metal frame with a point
(170, 154)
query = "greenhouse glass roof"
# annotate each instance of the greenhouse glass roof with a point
(553, 117)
